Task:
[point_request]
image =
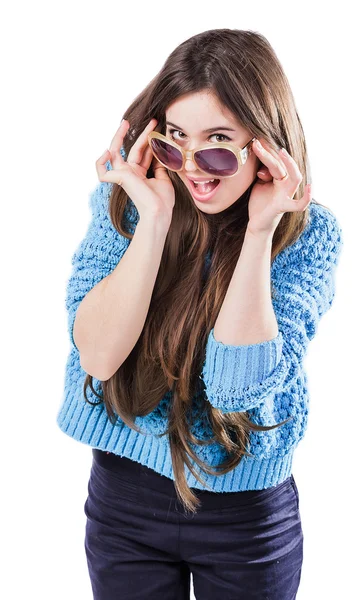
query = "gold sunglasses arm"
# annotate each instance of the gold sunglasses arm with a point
(245, 151)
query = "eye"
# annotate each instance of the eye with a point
(225, 137)
(171, 132)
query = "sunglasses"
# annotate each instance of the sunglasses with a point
(219, 159)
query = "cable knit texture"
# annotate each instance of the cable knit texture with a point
(267, 379)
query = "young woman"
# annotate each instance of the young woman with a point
(194, 294)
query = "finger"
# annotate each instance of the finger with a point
(116, 143)
(100, 164)
(160, 172)
(273, 152)
(264, 174)
(147, 158)
(293, 205)
(137, 150)
(274, 164)
(291, 167)
(306, 199)
(119, 135)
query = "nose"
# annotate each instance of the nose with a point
(189, 164)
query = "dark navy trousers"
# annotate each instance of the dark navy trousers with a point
(140, 543)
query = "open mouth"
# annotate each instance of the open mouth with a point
(205, 187)
(204, 191)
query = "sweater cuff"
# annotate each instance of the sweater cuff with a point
(230, 372)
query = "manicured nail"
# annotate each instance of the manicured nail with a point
(283, 150)
(258, 145)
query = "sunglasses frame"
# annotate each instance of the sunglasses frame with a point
(241, 154)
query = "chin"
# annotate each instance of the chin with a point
(210, 209)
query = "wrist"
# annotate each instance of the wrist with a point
(265, 235)
(156, 221)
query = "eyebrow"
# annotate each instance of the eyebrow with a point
(205, 130)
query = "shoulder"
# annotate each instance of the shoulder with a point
(99, 200)
(323, 225)
(102, 243)
(320, 242)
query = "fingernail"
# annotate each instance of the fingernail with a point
(261, 173)
(258, 145)
(283, 150)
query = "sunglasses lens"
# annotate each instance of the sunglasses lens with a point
(217, 161)
(167, 154)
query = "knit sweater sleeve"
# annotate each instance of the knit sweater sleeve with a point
(238, 378)
(97, 254)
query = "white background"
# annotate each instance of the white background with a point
(69, 71)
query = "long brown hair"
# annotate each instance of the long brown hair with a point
(241, 69)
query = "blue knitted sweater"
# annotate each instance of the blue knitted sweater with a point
(266, 379)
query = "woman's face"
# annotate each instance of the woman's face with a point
(186, 121)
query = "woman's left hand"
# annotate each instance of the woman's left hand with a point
(269, 198)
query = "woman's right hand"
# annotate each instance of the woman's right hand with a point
(153, 197)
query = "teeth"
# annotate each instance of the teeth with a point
(209, 181)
